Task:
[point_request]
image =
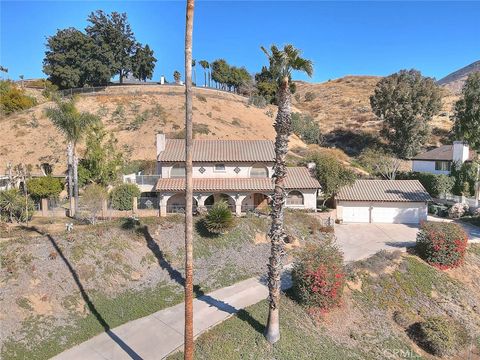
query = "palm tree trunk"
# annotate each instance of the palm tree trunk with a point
(277, 234)
(205, 74)
(75, 179)
(188, 341)
(70, 177)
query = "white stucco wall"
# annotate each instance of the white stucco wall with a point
(211, 173)
(309, 200)
(428, 167)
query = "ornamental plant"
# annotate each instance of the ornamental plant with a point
(318, 276)
(442, 244)
(44, 187)
(122, 196)
(219, 219)
(458, 210)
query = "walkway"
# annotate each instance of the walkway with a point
(159, 334)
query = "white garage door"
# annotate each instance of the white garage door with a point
(356, 214)
(395, 215)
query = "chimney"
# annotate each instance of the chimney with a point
(461, 152)
(311, 167)
(160, 143)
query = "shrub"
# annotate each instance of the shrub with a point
(306, 128)
(12, 206)
(219, 218)
(435, 185)
(122, 196)
(441, 336)
(438, 210)
(44, 187)
(257, 101)
(92, 201)
(13, 99)
(442, 244)
(201, 98)
(318, 276)
(458, 210)
(310, 96)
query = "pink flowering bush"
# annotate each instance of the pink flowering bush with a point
(442, 244)
(458, 210)
(318, 276)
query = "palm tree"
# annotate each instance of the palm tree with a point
(282, 63)
(188, 333)
(194, 64)
(205, 65)
(73, 124)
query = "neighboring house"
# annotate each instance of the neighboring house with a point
(440, 160)
(236, 171)
(383, 201)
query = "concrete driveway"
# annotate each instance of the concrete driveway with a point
(359, 241)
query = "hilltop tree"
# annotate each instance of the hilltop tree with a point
(177, 76)
(282, 63)
(220, 72)
(406, 102)
(143, 63)
(194, 64)
(467, 112)
(73, 60)
(73, 124)
(205, 65)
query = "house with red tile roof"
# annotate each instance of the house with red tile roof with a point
(236, 171)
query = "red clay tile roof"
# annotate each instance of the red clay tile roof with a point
(443, 153)
(297, 178)
(220, 150)
(384, 190)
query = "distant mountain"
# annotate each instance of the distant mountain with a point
(454, 81)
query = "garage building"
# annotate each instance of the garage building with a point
(383, 201)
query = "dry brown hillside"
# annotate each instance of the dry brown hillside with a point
(134, 114)
(342, 108)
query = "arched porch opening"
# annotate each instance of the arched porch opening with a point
(176, 204)
(255, 202)
(212, 199)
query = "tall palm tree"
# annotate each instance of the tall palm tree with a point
(73, 124)
(188, 341)
(282, 63)
(194, 64)
(205, 65)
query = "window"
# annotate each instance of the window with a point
(258, 171)
(443, 165)
(177, 171)
(219, 168)
(295, 198)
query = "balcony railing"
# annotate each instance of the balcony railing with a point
(147, 179)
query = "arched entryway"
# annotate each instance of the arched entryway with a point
(255, 202)
(176, 204)
(212, 199)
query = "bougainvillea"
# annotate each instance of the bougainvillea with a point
(442, 244)
(318, 276)
(457, 210)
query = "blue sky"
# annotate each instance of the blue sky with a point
(364, 38)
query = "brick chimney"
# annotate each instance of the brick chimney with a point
(160, 143)
(461, 152)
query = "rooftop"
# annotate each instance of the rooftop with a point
(384, 190)
(443, 153)
(220, 150)
(297, 178)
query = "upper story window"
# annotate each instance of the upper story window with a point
(177, 171)
(219, 168)
(295, 198)
(258, 171)
(443, 165)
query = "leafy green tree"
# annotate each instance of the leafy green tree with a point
(282, 62)
(467, 112)
(113, 33)
(73, 59)
(306, 128)
(177, 76)
(220, 73)
(466, 177)
(143, 63)
(331, 174)
(122, 196)
(406, 102)
(267, 86)
(205, 65)
(102, 162)
(73, 124)
(44, 187)
(380, 163)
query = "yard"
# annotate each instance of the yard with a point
(60, 289)
(387, 295)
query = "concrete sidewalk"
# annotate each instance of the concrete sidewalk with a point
(159, 334)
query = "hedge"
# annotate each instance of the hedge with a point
(122, 196)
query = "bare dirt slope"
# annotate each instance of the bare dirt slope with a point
(454, 81)
(135, 114)
(343, 105)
